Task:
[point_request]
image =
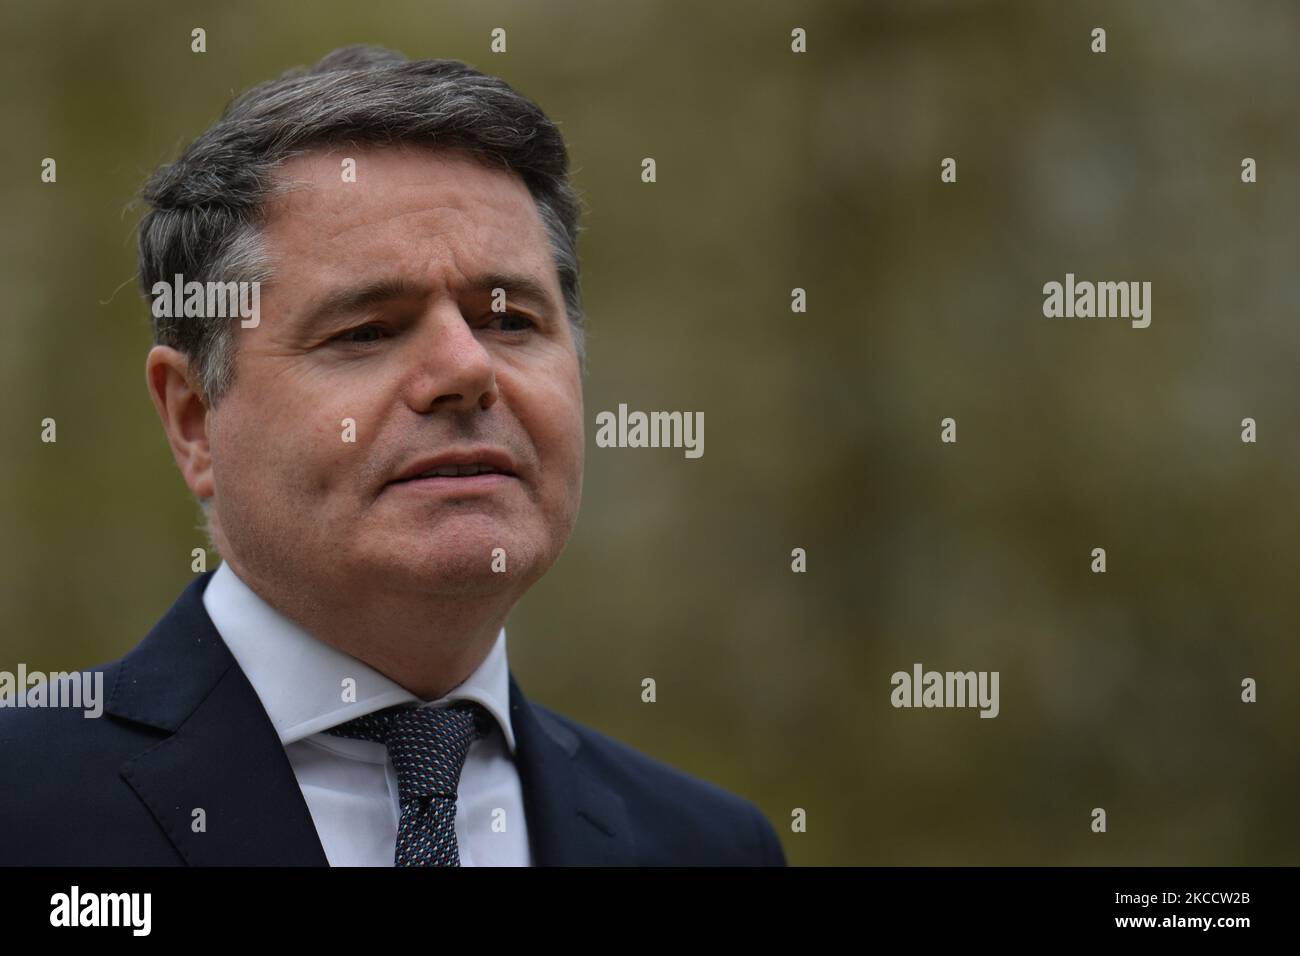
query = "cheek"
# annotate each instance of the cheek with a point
(330, 454)
(560, 428)
(290, 454)
(565, 460)
(334, 432)
(249, 473)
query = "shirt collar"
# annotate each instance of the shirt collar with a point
(299, 679)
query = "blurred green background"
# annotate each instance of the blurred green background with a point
(819, 171)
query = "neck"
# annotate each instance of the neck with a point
(427, 642)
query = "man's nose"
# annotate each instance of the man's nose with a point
(455, 370)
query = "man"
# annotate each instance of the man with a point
(388, 447)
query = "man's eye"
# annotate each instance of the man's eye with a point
(507, 317)
(360, 330)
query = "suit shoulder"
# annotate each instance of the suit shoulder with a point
(67, 703)
(698, 810)
(57, 735)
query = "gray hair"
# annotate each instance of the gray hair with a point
(206, 209)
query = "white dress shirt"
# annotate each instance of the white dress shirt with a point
(350, 785)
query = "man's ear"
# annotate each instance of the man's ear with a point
(184, 415)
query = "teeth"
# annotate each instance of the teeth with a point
(457, 471)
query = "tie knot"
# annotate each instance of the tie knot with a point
(427, 745)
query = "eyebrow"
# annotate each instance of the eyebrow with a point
(518, 286)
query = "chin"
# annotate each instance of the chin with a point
(468, 568)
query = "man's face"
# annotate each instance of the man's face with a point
(380, 314)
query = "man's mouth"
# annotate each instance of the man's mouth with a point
(455, 482)
(465, 467)
(478, 471)
(457, 471)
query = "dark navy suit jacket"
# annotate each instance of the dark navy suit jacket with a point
(182, 728)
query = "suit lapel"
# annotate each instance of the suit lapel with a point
(222, 757)
(573, 818)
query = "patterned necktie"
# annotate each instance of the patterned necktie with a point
(428, 747)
